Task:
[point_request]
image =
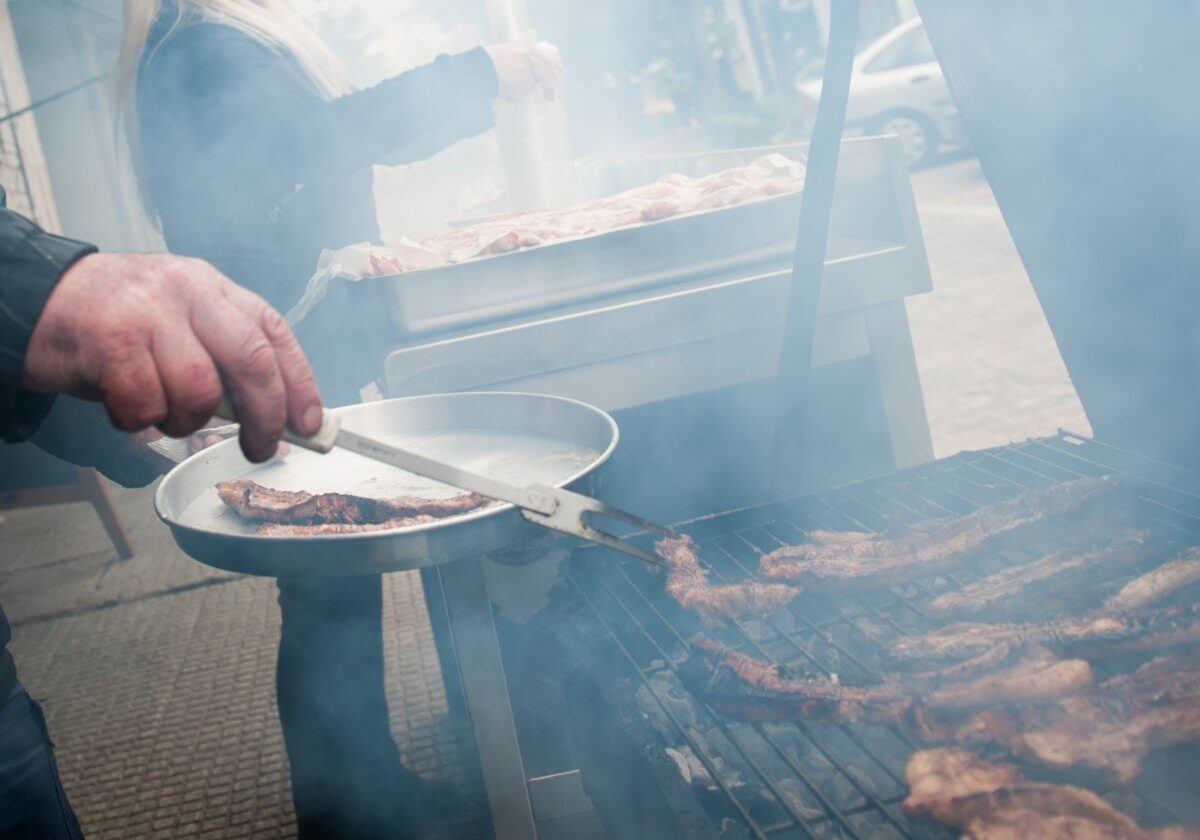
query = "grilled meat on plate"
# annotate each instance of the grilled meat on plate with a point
(296, 507)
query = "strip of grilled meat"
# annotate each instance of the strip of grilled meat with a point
(1105, 734)
(1155, 585)
(750, 689)
(296, 507)
(862, 560)
(1100, 635)
(275, 529)
(688, 584)
(994, 801)
(1003, 590)
(747, 688)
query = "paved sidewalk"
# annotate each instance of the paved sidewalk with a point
(157, 676)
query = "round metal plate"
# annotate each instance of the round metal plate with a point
(518, 438)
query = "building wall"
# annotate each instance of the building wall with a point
(23, 171)
(59, 46)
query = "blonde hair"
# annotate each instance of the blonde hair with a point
(271, 22)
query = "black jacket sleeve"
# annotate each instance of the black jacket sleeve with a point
(31, 263)
(261, 120)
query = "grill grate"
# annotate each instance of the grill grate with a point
(805, 779)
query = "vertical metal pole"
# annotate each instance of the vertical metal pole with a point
(469, 610)
(808, 262)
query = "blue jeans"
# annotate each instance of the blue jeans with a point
(32, 801)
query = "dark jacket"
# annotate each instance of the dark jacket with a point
(250, 168)
(31, 263)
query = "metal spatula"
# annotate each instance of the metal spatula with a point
(550, 507)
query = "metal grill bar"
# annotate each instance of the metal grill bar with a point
(848, 637)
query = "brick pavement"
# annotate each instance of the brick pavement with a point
(157, 676)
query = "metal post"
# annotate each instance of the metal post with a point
(469, 611)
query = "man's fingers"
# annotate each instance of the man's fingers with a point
(246, 360)
(132, 391)
(304, 411)
(189, 378)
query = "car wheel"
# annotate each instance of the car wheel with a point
(917, 135)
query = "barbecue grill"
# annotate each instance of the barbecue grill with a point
(1103, 213)
(699, 773)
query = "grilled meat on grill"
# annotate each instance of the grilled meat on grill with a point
(993, 800)
(883, 561)
(1157, 584)
(1106, 733)
(1003, 590)
(688, 584)
(748, 688)
(1026, 681)
(296, 507)
(1101, 635)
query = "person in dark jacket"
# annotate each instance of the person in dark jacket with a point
(152, 337)
(255, 155)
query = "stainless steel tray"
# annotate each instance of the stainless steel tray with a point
(520, 438)
(505, 286)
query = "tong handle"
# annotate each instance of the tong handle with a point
(323, 441)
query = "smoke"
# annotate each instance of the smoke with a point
(1080, 118)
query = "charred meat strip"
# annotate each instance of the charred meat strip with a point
(883, 561)
(1003, 590)
(295, 507)
(275, 529)
(1105, 734)
(744, 687)
(750, 689)
(1026, 681)
(688, 584)
(1102, 635)
(1114, 750)
(1157, 584)
(992, 800)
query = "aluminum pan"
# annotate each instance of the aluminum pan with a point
(522, 438)
(570, 271)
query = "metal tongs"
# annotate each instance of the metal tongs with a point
(550, 507)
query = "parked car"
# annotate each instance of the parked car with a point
(897, 87)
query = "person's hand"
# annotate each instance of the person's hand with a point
(215, 433)
(159, 338)
(521, 67)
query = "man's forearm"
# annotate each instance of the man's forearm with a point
(31, 263)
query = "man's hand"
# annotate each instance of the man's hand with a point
(521, 67)
(158, 339)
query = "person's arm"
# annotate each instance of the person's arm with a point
(257, 120)
(31, 263)
(157, 339)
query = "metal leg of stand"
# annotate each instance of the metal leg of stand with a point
(443, 641)
(473, 629)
